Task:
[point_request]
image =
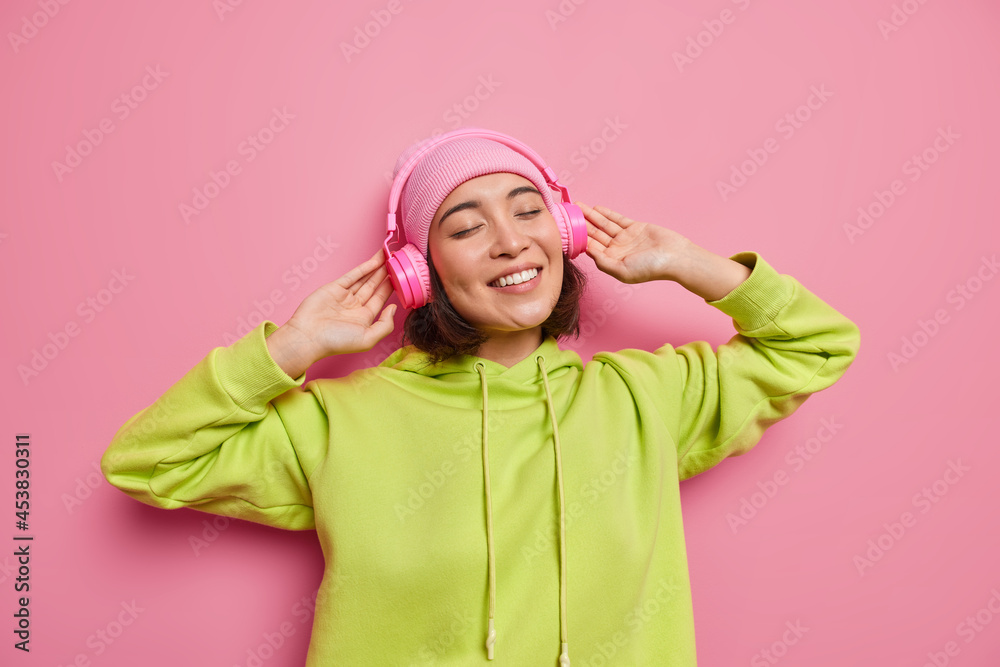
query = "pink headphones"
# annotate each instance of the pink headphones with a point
(407, 268)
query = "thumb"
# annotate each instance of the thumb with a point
(596, 252)
(381, 327)
(384, 325)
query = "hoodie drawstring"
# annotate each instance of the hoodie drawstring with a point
(491, 634)
(564, 633)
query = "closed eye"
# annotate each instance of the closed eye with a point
(466, 231)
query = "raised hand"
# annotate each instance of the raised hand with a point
(340, 317)
(629, 250)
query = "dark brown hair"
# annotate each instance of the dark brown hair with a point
(437, 329)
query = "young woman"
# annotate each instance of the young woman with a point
(482, 494)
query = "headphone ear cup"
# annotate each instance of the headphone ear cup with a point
(410, 277)
(575, 234)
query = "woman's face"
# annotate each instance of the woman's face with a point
(489, 228)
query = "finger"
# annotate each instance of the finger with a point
(362, 290)
(595, 249)
(385, 317)
(614, 216)
(595, 216)
(596, 233)
(360, 271)
(379, 296)
(598, 253)
(381, 327)
(352, 278)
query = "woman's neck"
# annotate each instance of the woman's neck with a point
(510, 347)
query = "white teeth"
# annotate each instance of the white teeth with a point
(516, 278)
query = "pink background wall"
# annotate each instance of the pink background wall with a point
(597, 89)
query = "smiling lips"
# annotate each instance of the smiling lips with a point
(515, 278)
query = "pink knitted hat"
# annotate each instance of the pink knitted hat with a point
(450, 164)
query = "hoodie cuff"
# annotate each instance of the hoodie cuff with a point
(758, 299)
(247, 371)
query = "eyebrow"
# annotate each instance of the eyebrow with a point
(476, 204)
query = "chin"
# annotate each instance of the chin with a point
(532, 323)
(524, 322)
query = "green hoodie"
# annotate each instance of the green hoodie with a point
(558, 520)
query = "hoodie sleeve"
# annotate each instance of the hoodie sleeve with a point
(235, 436)
(789, 344)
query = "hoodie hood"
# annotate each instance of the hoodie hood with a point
(461, 368)
(525, 381)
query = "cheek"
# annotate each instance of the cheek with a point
(557, 273)
(463, 286)
(456, 272)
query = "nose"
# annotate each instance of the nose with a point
(508, 237)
